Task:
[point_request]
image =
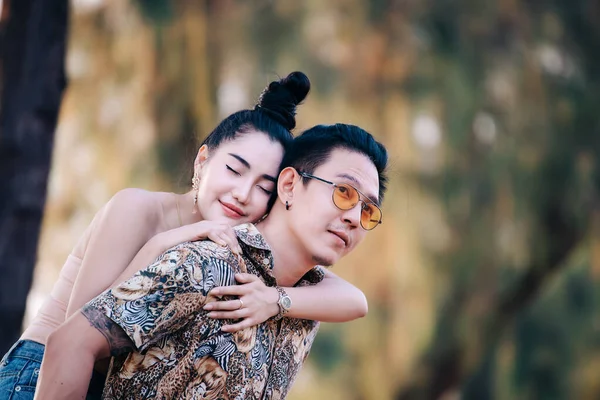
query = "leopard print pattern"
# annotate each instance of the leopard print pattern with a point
(182, 354)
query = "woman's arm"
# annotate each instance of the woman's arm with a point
(219, 233)
(126, 222)
(331, 300)
(123, 241)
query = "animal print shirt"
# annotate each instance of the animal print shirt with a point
(180, 352)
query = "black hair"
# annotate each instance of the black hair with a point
(314, 146)
(274, 115)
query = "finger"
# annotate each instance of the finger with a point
(233, 290)
(229, 305)
(232, 242)
(235, 245)
(237, 314)
(245, 323)
(246, 278)
(215, 237)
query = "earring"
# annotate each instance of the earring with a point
(287, 206)
(195, 184)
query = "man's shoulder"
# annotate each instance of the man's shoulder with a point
(205, 253)
(204, 248)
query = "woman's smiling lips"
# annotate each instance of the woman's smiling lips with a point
(232, 211)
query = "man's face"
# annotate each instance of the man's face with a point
(324, 230)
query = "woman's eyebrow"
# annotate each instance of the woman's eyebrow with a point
(247, 165)
(240, 159)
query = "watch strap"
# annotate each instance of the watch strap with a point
(282, 309)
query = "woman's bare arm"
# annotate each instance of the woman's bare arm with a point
(127, 222)
(331, 300)
(218, 232)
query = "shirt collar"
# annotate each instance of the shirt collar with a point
(248, 234)
(263, 258)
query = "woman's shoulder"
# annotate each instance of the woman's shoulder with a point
(129, 207)
(137, 204)
(137, 197)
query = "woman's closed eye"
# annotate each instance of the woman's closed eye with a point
(233, 170)
(267, 191)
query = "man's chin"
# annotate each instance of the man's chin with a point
(325, 260)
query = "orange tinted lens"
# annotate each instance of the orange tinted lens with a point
(370, 216)
(345, 197)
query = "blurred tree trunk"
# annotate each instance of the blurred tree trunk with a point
(445, 367)
(32, 46)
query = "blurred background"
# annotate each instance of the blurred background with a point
(482, 281)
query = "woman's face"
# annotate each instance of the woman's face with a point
(238, 177)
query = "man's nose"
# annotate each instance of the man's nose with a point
(352, 216)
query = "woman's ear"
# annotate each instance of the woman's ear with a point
(201, 157)
(288, 179)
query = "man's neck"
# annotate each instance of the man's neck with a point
(290, 260)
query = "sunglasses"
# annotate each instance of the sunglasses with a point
(346, 197)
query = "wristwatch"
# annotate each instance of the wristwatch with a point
(284, 303)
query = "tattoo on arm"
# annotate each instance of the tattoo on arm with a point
(117, 339)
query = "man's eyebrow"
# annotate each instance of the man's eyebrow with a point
(240, 159)
(370, 196)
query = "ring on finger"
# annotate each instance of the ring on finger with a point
(241, 304)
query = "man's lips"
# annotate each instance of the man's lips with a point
(232, 210)
(342, 235)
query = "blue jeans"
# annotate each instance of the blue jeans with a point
(19, 370)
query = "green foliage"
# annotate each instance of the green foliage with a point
(158, 12)
(327, 350)
(539, 161)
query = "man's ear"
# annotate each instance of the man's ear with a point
(288, 179)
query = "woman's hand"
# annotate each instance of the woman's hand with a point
(258, 303)
(219, 232)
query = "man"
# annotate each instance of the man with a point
(154, 324)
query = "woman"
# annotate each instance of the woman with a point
(233, 182)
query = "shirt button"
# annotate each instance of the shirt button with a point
(36, 371)
(18, 389)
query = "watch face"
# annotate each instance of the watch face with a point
(286, 302)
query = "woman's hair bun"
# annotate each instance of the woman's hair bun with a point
(280, 98)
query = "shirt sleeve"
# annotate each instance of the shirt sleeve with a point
(166, 295)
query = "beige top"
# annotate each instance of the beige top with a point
(53, 311)
(126, 223)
